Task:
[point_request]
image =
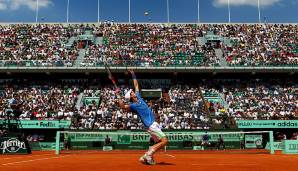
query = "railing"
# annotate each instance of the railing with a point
(169, 63)
(35, 63)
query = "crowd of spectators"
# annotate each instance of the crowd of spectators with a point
(150, 44)
(38, 101)
(181, 106)
(94, 56)
(157, 45)
(35, 138)
(181, 110)
(37, 45)
(3, 133)
(256, 99)
(185, 110)
(261, 45)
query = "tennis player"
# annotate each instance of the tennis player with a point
(146, 115)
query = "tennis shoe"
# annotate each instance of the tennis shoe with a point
(143, 159)
(147, 159)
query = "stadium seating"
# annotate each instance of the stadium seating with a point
(159, 45)
(88, 105)
(36, 45)
(151, 45)
(262, 45)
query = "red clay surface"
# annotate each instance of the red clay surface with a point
(169, 161)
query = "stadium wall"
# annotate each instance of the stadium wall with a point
(290, 70)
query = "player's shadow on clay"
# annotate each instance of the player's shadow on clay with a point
(164, 163)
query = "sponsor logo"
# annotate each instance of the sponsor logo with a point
(293, 147)
(267, 124)
(288, 124)
(178, 137)
(47, 124)
(171, 136)
(245, 124)
(12, 145)
(259, 142)
(124, 139)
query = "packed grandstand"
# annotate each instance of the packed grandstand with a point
(160, 45)
(148, 85)
(180, 108)
(200, 104)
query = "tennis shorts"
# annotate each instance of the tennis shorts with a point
(155, 132)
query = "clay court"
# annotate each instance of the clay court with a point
(171, 160)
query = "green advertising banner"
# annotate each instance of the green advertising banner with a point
(290, 147)
(85, 137)
(44, 145)
(253, 141)
(276, 145)
(41, 124)
(128, 137)
(90, 100)
(141, 140)
(188, 136)
(267, 124)
(213, 37)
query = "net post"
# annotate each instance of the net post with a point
(271, 142)
(57, 149)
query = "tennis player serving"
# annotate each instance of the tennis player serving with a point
(146, 115)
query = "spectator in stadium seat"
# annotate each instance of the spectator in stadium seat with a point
(294, 136)
(183, 109)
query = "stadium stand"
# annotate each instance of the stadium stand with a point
(262, 45)
(36, 45)
(157, 45)
(39, 101)
(145, 45)
(92, 105)
(150, 45)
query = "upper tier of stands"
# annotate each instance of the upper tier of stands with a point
(148, 45)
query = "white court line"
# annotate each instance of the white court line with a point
(25, 156)
(225, 164)
(25, 161)
(289, 156)
(170, 155)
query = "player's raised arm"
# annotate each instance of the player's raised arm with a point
(123, 106)
(135, 81)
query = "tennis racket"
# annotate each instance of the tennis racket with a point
(108, 70)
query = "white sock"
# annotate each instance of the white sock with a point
(150, 152)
